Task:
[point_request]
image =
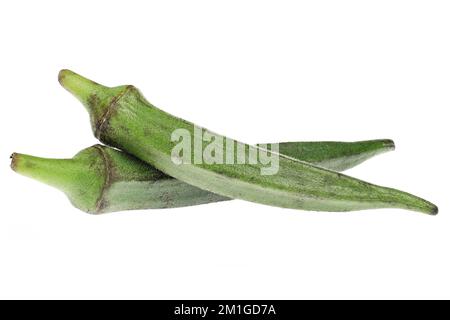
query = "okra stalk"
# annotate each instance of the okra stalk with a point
(121, 117)
(102, 179)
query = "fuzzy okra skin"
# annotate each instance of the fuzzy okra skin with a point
(102, 179)
(121, 117)
(336, 155)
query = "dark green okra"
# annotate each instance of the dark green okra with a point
(102, 179)
(121, 117)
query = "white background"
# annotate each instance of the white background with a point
(257, 71)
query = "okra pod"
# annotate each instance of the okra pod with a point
(102, 179)
(121, 117)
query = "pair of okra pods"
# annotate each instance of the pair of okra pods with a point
(144, 175)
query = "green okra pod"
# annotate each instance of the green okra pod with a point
(102, 179)
(121, 117)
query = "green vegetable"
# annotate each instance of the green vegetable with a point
(121, 117)
(102, 179)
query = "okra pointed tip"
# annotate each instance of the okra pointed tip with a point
(389, 144)
(428, 208)
(434, 211)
